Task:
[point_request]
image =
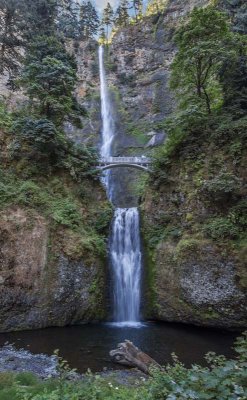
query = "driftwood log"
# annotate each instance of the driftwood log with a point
(128, 354)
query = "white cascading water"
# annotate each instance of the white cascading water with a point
(125, 248)
(126, 262)
(108, 128)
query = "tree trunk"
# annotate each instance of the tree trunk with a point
(207, 100)
(128, 354)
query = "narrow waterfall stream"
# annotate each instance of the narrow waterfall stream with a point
(125, 249)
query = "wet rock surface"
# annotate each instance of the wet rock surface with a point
(44, 366)
(12, 360)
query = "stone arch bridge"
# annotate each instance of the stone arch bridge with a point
(142, 163)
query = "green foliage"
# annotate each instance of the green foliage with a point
(53, 201)
(228, 127)
(160, 232)
(221, 228)
(6, 380)
(222, 186)
(37, 145)
(178, 127)
(156, 6)
(5, 117)
(234, 79)
(49, 76)
(187, 246)
(204, 44)
(89, 20)
(11, 35)
(40, 134)
(222, 380)
(58, 203)
(102, 220)
(122, 14)
(21, 21)
(107, 19)
(26, 379)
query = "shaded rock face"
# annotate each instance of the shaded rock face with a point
(140, 58)
(195, 277)
(40, 286)
(200, 288)
(87, 93)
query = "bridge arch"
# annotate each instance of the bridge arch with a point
(136, 166)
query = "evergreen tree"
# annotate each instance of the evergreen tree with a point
(233, 77)
(48, 17)
(138, 7)
(42, 16)
(49, 76)
(12, 28)
(67, 18)
(204, 44)
(102, 35)
(89, 20)
(107, 18)
(122, 14)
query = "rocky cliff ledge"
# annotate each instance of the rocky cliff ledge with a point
(53, 232)
(49, 275)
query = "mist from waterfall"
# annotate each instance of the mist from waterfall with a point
(124, 244)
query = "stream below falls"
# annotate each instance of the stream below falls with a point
(88, 346)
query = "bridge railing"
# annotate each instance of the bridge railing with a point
(125, 160)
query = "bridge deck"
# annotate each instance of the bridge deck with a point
(124, 160)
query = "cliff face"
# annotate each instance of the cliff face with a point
(139, 67)
(195, 278)
(52, 238)
(50, 275)
(192, 278)
(53, 275)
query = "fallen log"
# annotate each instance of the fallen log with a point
(129, 355)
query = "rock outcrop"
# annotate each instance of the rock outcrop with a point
(48, 277)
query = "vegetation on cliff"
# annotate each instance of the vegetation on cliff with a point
(44, 176)
(197, 187)
(206, 135)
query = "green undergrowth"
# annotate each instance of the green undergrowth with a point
(202, 163)
(62, 202)
(222, 379)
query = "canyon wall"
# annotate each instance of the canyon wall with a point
(190, 277)
(53, 276)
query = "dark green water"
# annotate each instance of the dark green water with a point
(88, 346)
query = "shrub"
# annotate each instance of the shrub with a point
(26, 379)
(222, 185)
(6, 380)
(187, 246)
(5, 117)
(238, 214)
(222, 379)
(221, 228)
(65, 212)
(38, 133)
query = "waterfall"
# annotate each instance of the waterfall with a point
(108, 128)
(126, 264)
(124, 244)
